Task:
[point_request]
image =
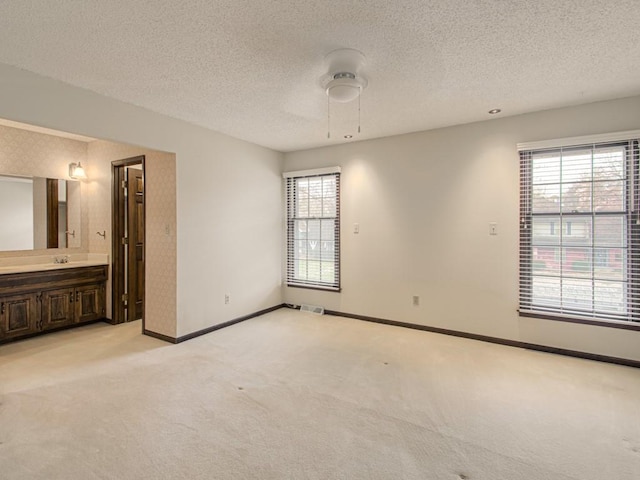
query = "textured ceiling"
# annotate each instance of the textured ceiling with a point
(251, 69)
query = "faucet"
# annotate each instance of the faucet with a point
(61, 259)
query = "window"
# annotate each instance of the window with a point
(589, 268)
(313, 228)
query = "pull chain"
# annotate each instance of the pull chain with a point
(328, 116)
(359, 96)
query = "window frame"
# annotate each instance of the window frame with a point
(631, 218)
(291, 208)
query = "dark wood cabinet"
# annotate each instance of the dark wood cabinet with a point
(18, 315)
(57, 308)
(35, 302)
(89, 303)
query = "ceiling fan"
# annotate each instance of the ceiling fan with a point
(344, 81)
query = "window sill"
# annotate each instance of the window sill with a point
(315, 287)
(624, 325)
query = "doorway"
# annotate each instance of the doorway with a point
(128, 247)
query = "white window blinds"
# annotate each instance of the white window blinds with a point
(580, 231)
(313, 229)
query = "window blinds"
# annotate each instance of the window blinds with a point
(580, 231)
(313, 229)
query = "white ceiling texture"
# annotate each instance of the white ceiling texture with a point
(252, 69)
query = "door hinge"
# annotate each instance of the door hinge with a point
(125, 241)
(124, 184)
(125, 297)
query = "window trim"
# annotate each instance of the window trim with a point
(599, 322)
(290, 178)
(579, 141)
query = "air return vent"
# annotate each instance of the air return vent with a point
(312, 308)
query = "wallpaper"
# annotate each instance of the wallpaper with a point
(160, 223)
(36, 154)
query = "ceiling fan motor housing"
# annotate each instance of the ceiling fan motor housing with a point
(343, 83)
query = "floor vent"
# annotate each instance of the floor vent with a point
(312, 308)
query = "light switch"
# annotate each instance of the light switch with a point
(356, 228)
(493, 228)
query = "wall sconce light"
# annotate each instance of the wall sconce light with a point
(76, 171)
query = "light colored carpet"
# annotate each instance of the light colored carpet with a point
(291, 395)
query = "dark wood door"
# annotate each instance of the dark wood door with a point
(135, 234)
(18, 315)
(52, 213)
(58, 308)
(89, 303)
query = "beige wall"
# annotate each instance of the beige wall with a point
(40, 214)
(160, 225)
(74, 214)
(424, 202)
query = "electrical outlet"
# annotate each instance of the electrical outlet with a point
(416, 300)
(227, 299)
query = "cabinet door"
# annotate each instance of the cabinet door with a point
(57, 308)
(90, 303)
(18, 315)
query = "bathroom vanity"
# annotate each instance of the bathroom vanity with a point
(37, 298)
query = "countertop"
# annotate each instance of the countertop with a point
(46, 263)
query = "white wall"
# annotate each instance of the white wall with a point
(228, 194)
(16, 213)
(424, 202)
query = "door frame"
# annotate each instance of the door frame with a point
(118, 266)
(52, 213)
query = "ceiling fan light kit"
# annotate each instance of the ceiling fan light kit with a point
(345, 87)
(343, 82)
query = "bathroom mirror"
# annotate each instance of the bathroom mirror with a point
(39, 213)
